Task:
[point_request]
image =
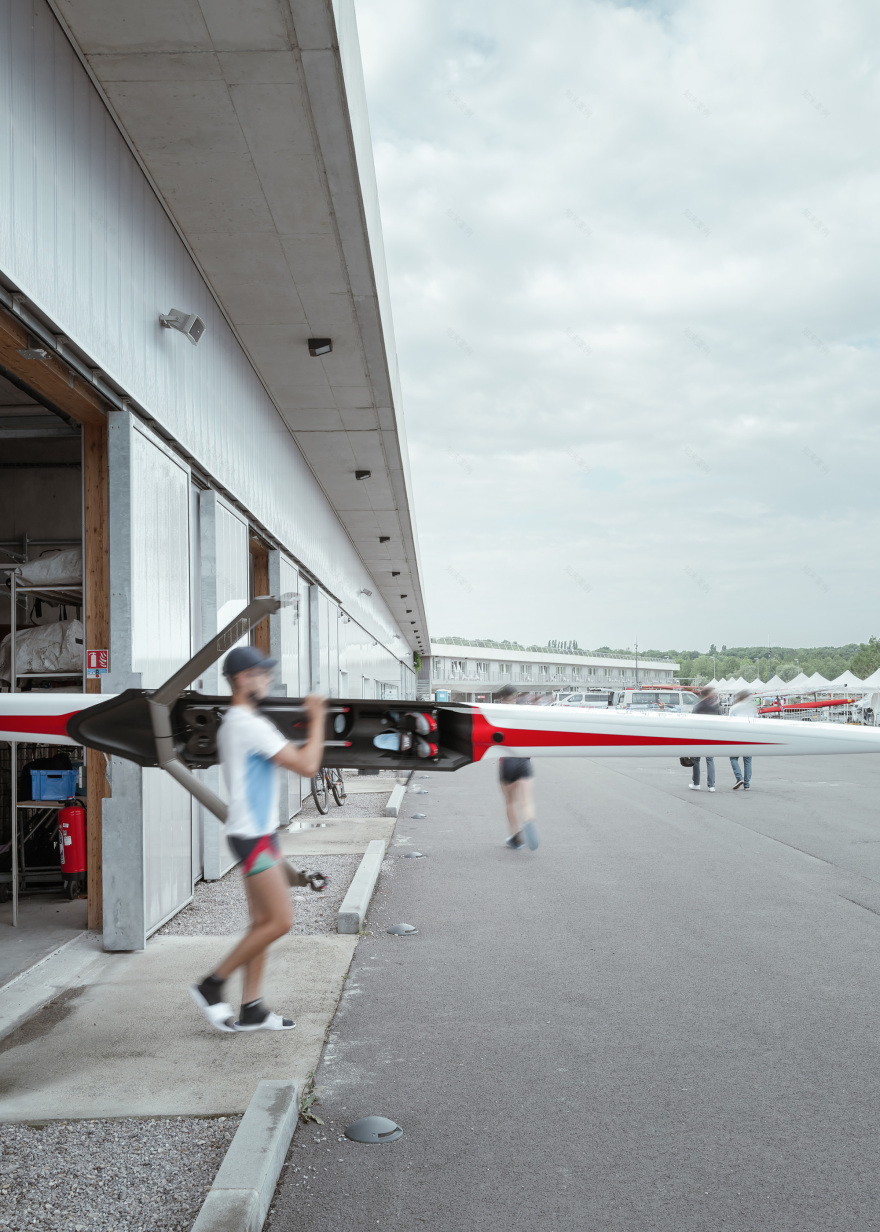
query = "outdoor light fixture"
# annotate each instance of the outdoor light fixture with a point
(187, 323)
(384, 538)
(362, 474)
(320, 346)
(395, 573)
(408, 611)
(364, 591)
(404, 596)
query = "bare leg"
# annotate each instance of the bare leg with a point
(526, 800)
(511, 796)
(271, 917)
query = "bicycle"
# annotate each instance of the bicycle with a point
(326, 780)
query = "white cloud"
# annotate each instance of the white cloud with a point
(633, 255)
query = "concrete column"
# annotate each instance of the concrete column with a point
(122, 813)
(216, 856)
(317, 640)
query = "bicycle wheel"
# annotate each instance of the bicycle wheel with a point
(319, 792)
(337, 786)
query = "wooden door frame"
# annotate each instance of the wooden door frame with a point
(50, 380)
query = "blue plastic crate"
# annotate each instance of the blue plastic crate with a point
(53, 784)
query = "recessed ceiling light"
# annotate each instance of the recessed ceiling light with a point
(320, 346)
(362, 474)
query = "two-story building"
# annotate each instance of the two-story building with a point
(475, 671)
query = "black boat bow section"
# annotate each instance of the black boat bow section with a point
(122, 726)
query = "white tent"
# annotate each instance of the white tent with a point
(756, 685)
(873, 680)
(818, 682)
(774, 684)
(846, 680)
(800, 684)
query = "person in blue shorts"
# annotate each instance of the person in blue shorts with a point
(252, 751)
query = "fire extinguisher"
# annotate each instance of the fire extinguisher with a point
(72, 832)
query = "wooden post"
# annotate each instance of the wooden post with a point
(260, 561)
(97, 630)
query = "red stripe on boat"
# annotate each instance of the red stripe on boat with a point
(483, 734)
(37, 724)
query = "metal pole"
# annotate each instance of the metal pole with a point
(13, 751)
(13, 795)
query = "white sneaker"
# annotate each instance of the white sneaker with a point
(694, 786)
(711, 788)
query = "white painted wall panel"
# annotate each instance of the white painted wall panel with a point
(161, 639)
(83, 235)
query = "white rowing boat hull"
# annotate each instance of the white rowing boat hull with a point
(534, 731)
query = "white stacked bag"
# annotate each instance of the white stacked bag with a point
(57, 647)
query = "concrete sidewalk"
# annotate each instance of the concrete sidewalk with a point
(128, 1041)
(347, 836)
(123, 1037)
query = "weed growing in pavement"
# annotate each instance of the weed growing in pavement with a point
(307, 1100)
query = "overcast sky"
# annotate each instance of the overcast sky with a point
(634, 264)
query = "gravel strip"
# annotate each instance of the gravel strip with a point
(219, 908)
(128, 1175)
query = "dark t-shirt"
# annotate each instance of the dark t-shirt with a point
(706, 706)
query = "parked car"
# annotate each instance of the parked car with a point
(676, 701)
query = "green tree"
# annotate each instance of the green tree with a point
(866, 660)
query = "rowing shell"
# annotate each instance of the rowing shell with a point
(466, 733)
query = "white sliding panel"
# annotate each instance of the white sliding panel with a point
(225, 584)
(161, 634)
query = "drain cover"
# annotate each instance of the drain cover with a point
(413, 855)
(402, 930)
(416, 816)
(374, 1129)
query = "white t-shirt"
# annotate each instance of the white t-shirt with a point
(743, 710)
(247, 742)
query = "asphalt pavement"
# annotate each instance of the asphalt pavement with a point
(664, 1019)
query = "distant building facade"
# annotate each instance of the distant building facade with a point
(470, 673)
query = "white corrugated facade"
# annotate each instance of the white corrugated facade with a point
(202, 460)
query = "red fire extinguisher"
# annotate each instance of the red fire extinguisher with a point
(72, 832)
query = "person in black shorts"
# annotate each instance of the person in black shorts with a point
(516, 774)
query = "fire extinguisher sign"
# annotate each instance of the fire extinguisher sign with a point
(97, 663)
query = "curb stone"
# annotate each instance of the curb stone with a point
(354, 906)
(243, 1189)
(395, 800)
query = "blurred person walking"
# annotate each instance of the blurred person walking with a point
(743, 708)
(252, 750)
(516, 774)
(708, 704)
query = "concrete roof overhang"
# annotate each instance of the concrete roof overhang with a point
(250, 119)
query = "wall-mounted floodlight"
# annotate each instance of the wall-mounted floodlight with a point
(186, 322)
(404, 596)
(364, 591)
(320, 346)
(384, 538)
(362, 474)
(395, 573)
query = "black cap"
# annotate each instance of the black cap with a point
(243, 658)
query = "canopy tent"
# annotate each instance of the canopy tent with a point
(818, 682)
(873, 680)
(846, 680)
(774, 685)
(800, 684)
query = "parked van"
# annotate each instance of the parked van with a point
(596, 701)
(676, 701)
